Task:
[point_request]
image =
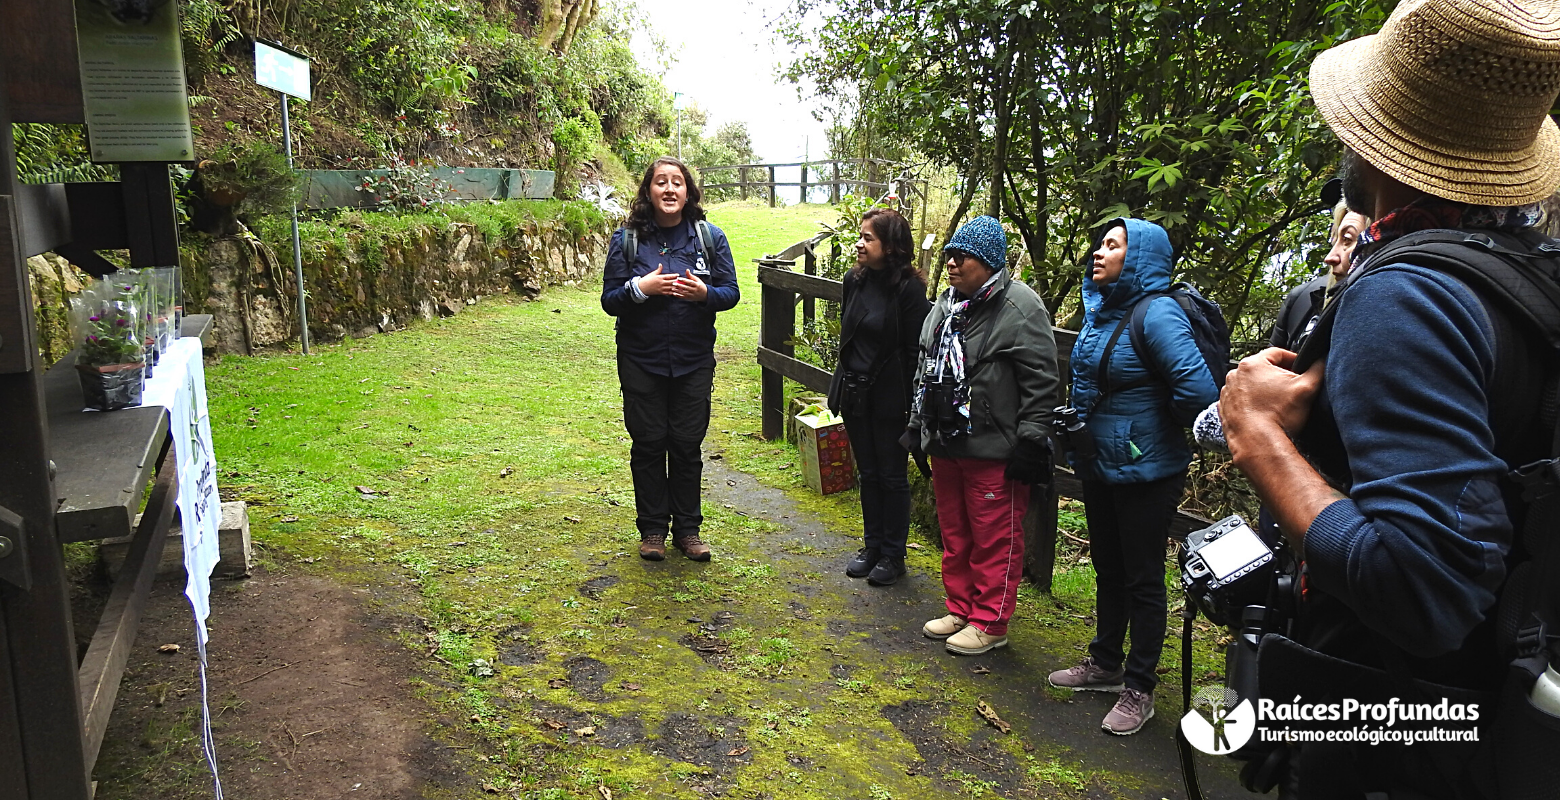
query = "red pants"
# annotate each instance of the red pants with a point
(981, 515)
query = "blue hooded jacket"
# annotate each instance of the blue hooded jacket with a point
(1138, 431)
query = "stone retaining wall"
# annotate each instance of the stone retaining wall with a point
(357, 286)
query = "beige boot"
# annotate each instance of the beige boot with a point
(943, 627)
(972, 641)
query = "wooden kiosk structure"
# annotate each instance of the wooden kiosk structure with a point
(67, 476)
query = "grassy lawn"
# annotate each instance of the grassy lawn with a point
(477, 466)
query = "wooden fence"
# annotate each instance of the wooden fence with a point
(881, 176)
(779, 289)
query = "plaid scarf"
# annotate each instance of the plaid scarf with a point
(1431, 213)
(946, 363)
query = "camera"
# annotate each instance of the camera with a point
(1237, 580)
(1073, 434)
(1226, 567)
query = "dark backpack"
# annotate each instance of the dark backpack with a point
(1516, 277)
(1209, 331)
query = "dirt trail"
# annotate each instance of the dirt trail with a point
(891, 617)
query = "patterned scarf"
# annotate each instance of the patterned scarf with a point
(946, 363)
(1431, 213)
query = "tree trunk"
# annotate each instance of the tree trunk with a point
(558, 21)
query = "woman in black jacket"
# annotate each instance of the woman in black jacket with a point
(880, 328)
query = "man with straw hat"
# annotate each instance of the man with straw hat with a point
(1388, 449)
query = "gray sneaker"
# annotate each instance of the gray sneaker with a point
(1087, 677)
(1132, 710)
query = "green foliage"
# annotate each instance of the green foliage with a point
(574, 139)
(55, 154)
(205, 29)
(1061, 115)
(255, 171)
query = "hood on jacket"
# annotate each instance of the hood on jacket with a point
(1145, 269)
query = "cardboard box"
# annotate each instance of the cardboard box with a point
(827, 464)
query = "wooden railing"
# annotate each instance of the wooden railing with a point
(779, 289)
(815, 173)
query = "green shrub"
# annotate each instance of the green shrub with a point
(574, 139)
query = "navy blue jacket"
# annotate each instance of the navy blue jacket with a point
(664, 335)
(1417, 550)
(1139, 431)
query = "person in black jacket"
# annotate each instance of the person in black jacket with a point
(880, 328)
(1304, 303)
(665, 296)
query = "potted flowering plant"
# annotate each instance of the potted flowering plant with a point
(111, 349)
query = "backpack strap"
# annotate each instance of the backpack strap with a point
(1140, 336)
(630, 244)
(706, 242)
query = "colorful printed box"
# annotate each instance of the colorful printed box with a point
(827, 465)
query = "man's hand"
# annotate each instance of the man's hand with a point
(687, 286)
(658, 282)
(1262, 406)
(1261, 394)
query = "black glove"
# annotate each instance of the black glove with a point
(1030, 463)
(911, 441)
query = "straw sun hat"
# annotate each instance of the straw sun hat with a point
(1452, 97)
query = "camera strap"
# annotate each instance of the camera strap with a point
(1183, 748)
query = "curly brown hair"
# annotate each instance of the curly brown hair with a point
(893, 230)
(641, 214)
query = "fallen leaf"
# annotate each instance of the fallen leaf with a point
(990, 716)
(490, 788)
(740, 751)
(981, 671)
(557, 683)
(289, 518)
(506, 472)
(730, 482)
(913, 546)
(168, 648)
(631, 687)
(365, 490)
(588, 730)
(475, 718)
(572, 519)
(606, 794)
(554, 724)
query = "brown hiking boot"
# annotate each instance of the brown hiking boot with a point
(652, 546)
(693, 547)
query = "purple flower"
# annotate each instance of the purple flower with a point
(122, 322)
(94, 318)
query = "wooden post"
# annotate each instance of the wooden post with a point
(41, 749)
(771, 187)
(776, 327)
(742, 178)
(1040, 536)
(834, 188)
(809, 266)
(804, 183)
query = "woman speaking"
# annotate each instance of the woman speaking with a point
(668, 273)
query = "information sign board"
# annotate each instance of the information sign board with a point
(284, 70)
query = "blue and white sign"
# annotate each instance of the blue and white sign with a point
(281, 69)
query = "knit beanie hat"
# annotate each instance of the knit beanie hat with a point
(983, 238)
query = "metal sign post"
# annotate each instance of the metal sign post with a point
(287, 71)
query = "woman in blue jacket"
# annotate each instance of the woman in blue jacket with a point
(665, 290)
(1135, 406)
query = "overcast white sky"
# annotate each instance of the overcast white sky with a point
(727, 64)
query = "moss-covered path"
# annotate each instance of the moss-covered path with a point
(471, 474)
